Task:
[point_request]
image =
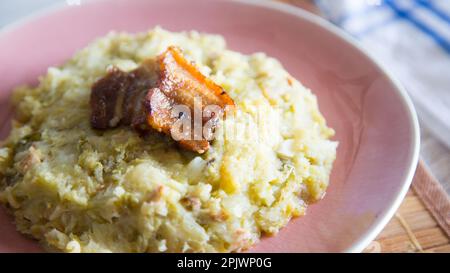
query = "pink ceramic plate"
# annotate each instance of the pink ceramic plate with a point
(374, 119)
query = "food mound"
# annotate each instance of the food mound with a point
(93, 162)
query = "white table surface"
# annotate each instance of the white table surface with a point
(435, 154)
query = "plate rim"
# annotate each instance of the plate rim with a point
(376, 227)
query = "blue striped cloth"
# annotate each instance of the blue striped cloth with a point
(412, 39)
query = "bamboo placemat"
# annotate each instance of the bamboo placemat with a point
(422, 223)
(414, 228)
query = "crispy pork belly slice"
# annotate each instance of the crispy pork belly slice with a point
(118, 97)
(148, 97)
(182, 84)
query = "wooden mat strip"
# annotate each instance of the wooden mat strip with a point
(433, 195)
(414, 227)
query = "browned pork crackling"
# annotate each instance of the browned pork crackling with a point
(145, 99)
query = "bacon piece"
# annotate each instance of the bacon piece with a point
(181, 83)
(148, 97)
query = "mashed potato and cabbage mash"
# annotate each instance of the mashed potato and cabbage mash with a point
(77, 189)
